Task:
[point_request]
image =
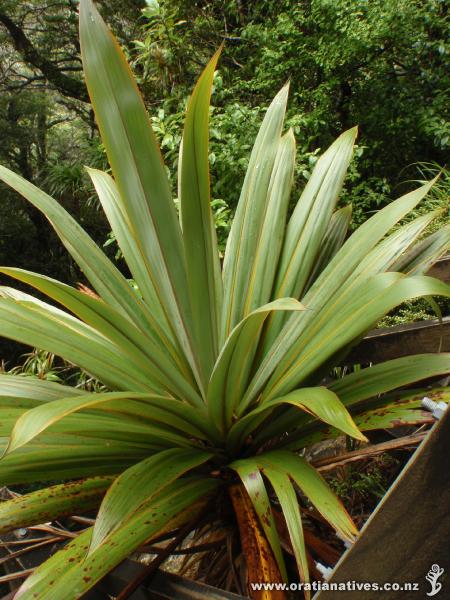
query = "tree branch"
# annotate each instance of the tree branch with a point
(68, 86)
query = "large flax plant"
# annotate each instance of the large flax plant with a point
(216, 371)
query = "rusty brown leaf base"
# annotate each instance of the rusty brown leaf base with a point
(260, 561)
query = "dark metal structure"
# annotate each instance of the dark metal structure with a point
(408, 532)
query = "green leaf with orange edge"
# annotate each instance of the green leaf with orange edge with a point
(235, 361)
(53, 502)
(249, 473)
(137, 486)
(330, 289)
(102, 274)
(199, 235)
(139, 172)
(147, 409)
(387, 412)
(71, 572)
(317, 401)
(151, 357)
(288, 500)
(313, 486)
(250, 214)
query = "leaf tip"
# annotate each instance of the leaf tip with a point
(282, 96)
(289, 136)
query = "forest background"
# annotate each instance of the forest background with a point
(380, 64)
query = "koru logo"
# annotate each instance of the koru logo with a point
(432, 577)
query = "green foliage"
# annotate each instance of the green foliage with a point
(41, 364)
(439, 198)
(382, 62)
(364, 487)
(213, 370)
(416, 310)
(45, 365)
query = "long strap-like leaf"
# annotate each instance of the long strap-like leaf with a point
(30, 321)
(147, 479)
(385, 254)
(113, 206)
(359, 389)
(250, 475)
(318, 401)
(386, 376)
(67, 569)
(418, 259)
(245, 231)
(34, 388)
(105, 278)
(288, 500)
(378, 260)
(332, 241)
(108, 322)
(48, 504)
(138, 171)
(331, 283)
(230, 376)
(312, 215)
(308, 225)
(65, 456)
(360, 243)
(130, 422)
(262, 269)
(170, 425)
(385, 412)
(313, 486)
(375, 299)
(199, 236)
